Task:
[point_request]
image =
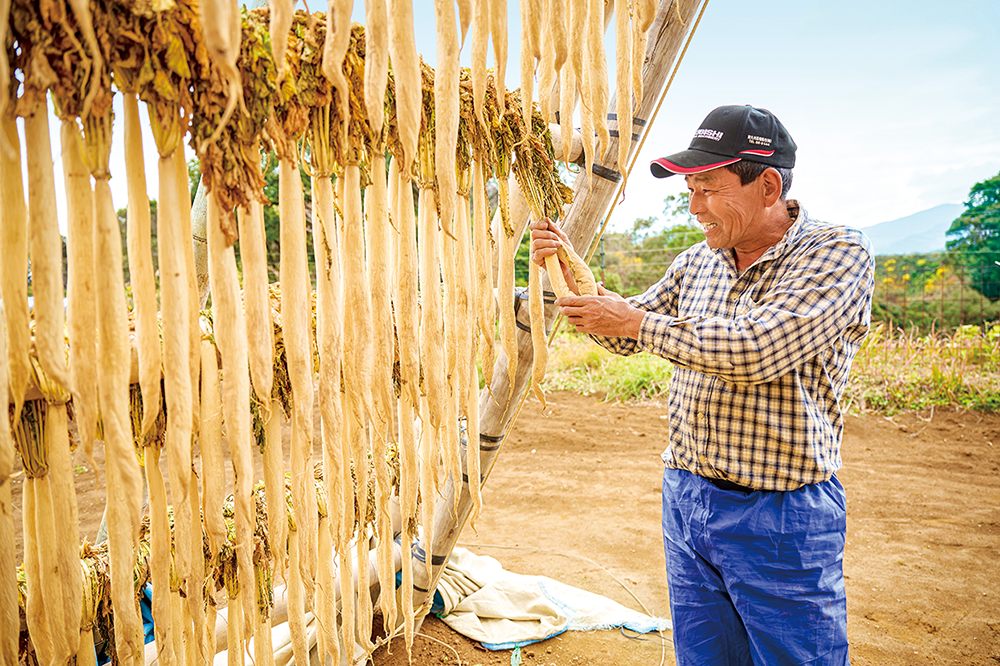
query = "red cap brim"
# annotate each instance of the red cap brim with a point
(665, 166)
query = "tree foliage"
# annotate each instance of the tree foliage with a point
(629, 262)
(974, 238)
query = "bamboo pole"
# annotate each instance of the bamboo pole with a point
(593, 198)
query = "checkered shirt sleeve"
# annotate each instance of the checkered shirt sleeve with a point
(762, 356)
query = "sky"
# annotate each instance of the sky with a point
(894, 104)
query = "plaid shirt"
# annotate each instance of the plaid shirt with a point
(762, 356)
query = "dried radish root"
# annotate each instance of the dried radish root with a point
(480, 37)
(446, 111)
(486, 311)
(623, 80)
(406, 69)
(13, 282)
(295, 313)
(81, 298)
(9, 613)
(140, 264)
(260, 330)
(539, 341)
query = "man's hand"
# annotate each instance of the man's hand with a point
(546, 237)
(606, 314)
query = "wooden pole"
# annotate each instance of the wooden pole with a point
(592, 200)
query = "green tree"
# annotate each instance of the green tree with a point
(974, 238)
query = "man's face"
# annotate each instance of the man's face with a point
(728, 212)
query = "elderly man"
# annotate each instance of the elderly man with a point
(761, 321)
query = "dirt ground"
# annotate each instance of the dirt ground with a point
(575, 495)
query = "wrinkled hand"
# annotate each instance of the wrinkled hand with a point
(606, 314)
(546, 237)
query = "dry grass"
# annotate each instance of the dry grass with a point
(894, 371)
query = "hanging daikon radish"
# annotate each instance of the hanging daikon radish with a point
(81, 299)
(296, 327)
(378, 230)
(567, 101)
(176, 317)
(282, 12)
(505, 285)
(432, 356)
(571, 81)
(486, 311)
(357, 367)
(480, 37)
(623, 82)
(406, 74)
(274, 487)
(14, 277)
(467, 379)
(450, 444)
(379, 272)
(329, 337)
(498, 30)
(220, 21)
(348, 504)
(405, 310)
(539, 341)
(46, 249)
(376, 62)
(643, 13)
(28, 432)
(446, 110)
(159, 559)
(260, 331)
(4, 72)
(556, 23)
(177, 443)
(210, 444)
(465, 16)
(140, 265)
(52, 377)
(531, 23)
(9, 614)
(231, 339)
(65, 519)
(597, 76)
(122, 471)
(194, 299)
(325, 608)
(547, 75)
(587, 129)
(188, 545)
(338, 37)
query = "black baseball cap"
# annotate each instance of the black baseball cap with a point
(730, 134)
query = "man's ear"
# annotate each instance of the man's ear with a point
(771, 186)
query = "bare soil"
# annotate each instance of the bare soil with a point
(575, 495)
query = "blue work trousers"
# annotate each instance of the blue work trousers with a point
(755, 578)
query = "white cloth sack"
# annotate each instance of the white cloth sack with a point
(504, 610)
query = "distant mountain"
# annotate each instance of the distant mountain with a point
(917, 233)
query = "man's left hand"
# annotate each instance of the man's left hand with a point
(606, 314)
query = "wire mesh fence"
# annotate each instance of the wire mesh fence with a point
(942, 290)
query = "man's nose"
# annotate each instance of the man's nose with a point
(696, 203)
